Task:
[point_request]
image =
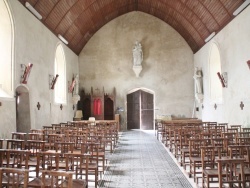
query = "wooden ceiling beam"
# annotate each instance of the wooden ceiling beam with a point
(78, 20)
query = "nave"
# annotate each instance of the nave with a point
(141, 161)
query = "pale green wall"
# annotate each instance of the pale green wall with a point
(106, 61)
(34, 43)
(234, 45)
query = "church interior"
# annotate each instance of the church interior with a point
(100, 74)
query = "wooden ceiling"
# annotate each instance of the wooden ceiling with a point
(78, 20)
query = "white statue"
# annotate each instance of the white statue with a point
(198, 80)
(76, 96)
(137, 54)
(76, 88)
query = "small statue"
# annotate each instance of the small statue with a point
(76, 96)
(137, 54)
(76, 88)
(198, 80)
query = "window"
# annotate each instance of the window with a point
(214, 67)
(60, 87)
(6, 40)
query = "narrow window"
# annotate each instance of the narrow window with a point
(214, 67)
(60, 69)
(6, 63)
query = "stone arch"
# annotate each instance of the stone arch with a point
(23, 120)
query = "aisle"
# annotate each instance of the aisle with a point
(141, 161)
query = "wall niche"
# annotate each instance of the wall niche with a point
(97, 104)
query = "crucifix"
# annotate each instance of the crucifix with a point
(241, 105)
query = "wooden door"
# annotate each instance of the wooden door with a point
(133, 110)
(86, 108)
(108, 109)
(140, 110)
(147, 111)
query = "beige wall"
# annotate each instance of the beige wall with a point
(106, 61)
(34, 43)
(234, 45)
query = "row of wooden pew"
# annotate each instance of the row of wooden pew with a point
(213, 154)
(73, 154)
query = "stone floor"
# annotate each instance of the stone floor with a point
(141, 161)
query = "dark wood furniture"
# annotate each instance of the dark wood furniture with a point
(97, 104)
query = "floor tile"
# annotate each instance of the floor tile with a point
(140, 160)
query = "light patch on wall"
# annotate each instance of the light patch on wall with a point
(214, 67)
(6, 71)
(18, 99)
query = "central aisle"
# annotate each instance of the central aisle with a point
(141, 161)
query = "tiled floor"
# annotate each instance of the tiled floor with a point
(141, 161)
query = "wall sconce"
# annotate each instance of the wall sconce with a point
(0, 103)
(223, 78)
(241, 7)
(63, 39)
(38, 106)
(52, 81)
(61, 106)
(26, 72)
(33, 11)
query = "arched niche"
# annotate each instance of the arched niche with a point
(23, 122)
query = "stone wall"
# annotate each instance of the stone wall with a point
(34, 43)
(234, 46)
(106, 61)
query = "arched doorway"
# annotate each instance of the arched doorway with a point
(140, 110)
(23, 123)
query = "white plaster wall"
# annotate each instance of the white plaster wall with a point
(106, 61)
(234, 45)
(7, 122)
(34, 43)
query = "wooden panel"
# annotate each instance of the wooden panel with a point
(86, 108)
(108, 109)
(195, 20)
(147, 111)
(133, 110)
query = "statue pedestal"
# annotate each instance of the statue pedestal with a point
(137, 69)
(75, 98)
(199, 97)
(78, 115)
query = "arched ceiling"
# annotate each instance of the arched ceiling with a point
(78, 20)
